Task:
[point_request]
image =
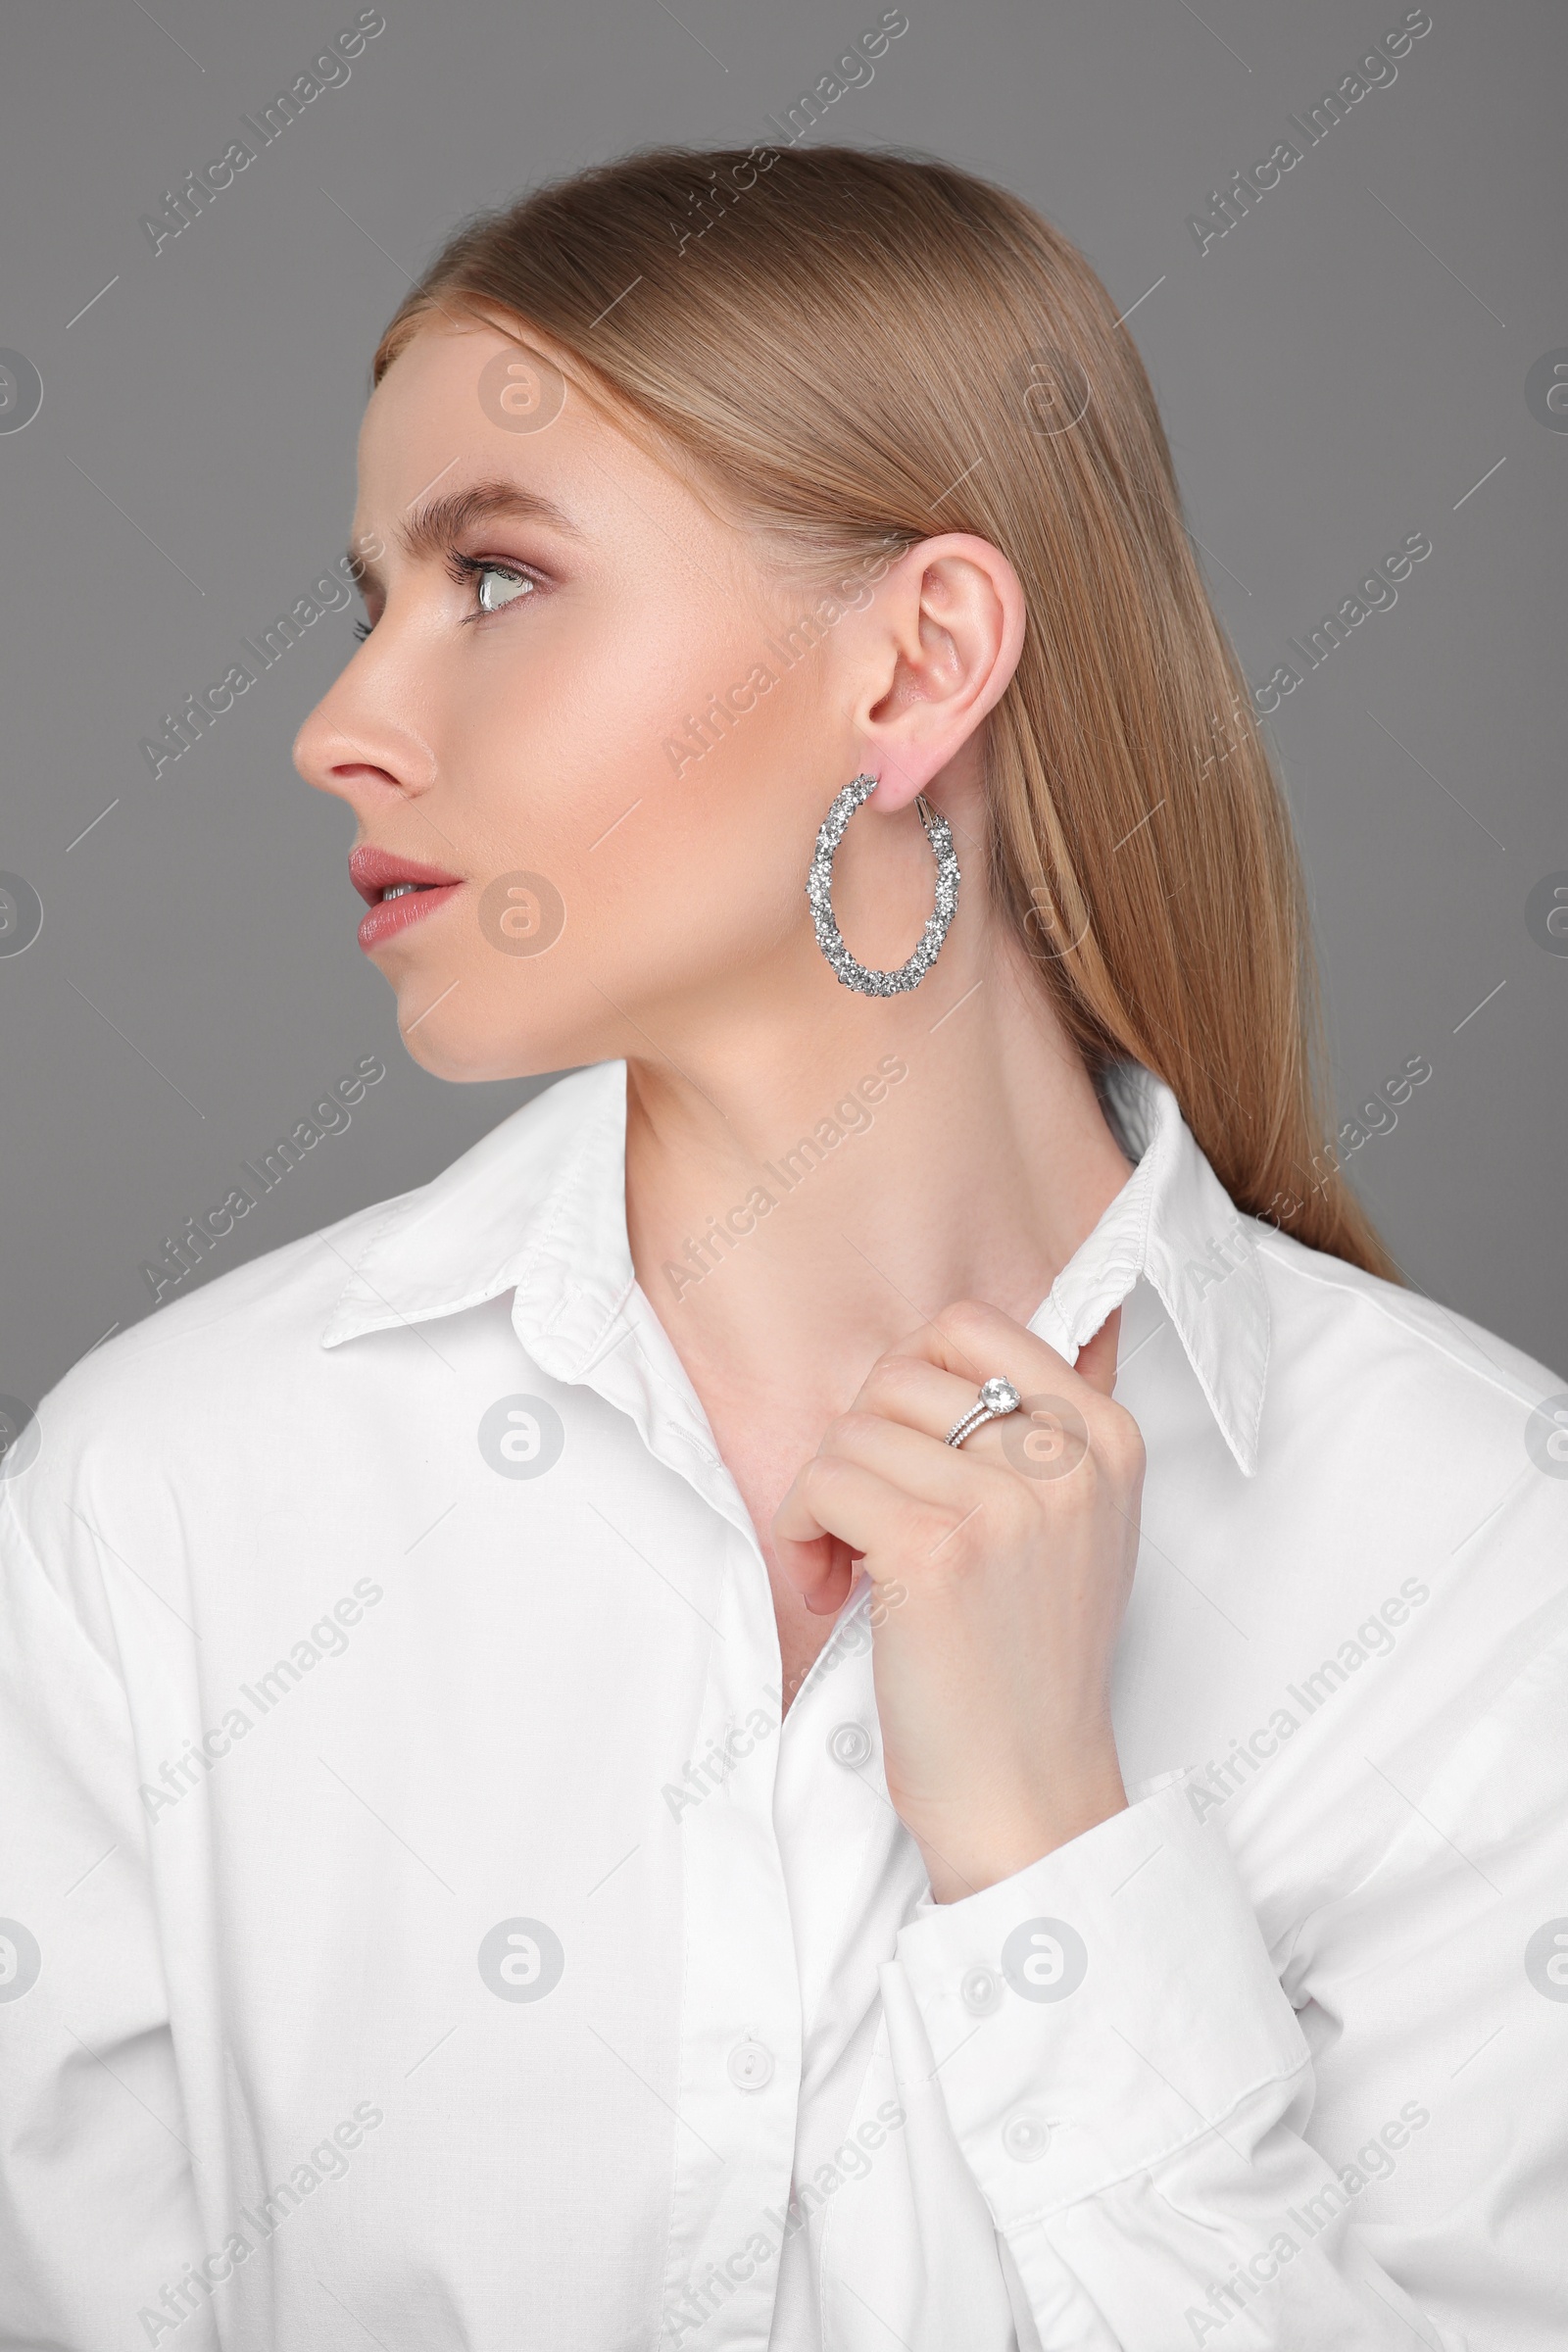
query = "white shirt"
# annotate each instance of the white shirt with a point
(420, 1930)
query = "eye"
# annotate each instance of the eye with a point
(497, 585)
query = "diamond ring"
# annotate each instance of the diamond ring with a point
(997, 1398)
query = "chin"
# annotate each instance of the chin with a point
(466, 1054)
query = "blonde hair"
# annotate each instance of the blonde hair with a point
(866, 350)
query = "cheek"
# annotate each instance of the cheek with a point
(565, 726)
(610, 880)
(726, 824)
(643, 753)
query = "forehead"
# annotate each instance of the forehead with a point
(467, 398)
(469, 389)
(469, 403)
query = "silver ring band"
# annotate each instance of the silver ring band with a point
(996, 1400)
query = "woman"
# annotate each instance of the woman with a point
(599, 1772)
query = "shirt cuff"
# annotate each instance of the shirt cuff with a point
(1092, 2013)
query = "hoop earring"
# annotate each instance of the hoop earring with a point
(820, 890)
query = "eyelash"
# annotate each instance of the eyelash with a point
(471, 567)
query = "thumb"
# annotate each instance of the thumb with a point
(1097, 1357)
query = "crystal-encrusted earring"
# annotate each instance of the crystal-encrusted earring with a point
(820, 890)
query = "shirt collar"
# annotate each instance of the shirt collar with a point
(1174, 1225)
(538, 1208)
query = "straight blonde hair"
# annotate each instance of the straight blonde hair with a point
(866, 350)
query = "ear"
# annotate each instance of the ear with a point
(936, 650)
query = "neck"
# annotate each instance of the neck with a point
(825, 1172)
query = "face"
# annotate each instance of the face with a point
(550, 606)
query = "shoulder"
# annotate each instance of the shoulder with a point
(1405, 1432)
(143, 1412)
(1405, 1559)
(1387, 1343)
(254, 1338)
(188, 1445)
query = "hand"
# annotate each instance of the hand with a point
(1001, 1570)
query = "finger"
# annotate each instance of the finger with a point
(902, 1440)
(975, 1341)
(821, 1572)
(837, 1502)
(816, 1562)
(906, 1454)
(920, 1394)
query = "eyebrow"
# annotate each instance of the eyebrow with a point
(441, 522)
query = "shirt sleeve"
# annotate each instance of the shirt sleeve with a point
(98, 2216)
(1131, 2086)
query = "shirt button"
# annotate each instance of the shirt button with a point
(982, 1991)
(750, 2066)
(1026, 2137)
(850, 1745)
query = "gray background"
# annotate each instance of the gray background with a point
(1336, 373)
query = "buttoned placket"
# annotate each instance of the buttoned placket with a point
(778, 1862)
(739, 2076)
(854, 1873)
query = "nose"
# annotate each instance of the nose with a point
(359, 743)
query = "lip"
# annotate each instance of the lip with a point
(373, 870)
